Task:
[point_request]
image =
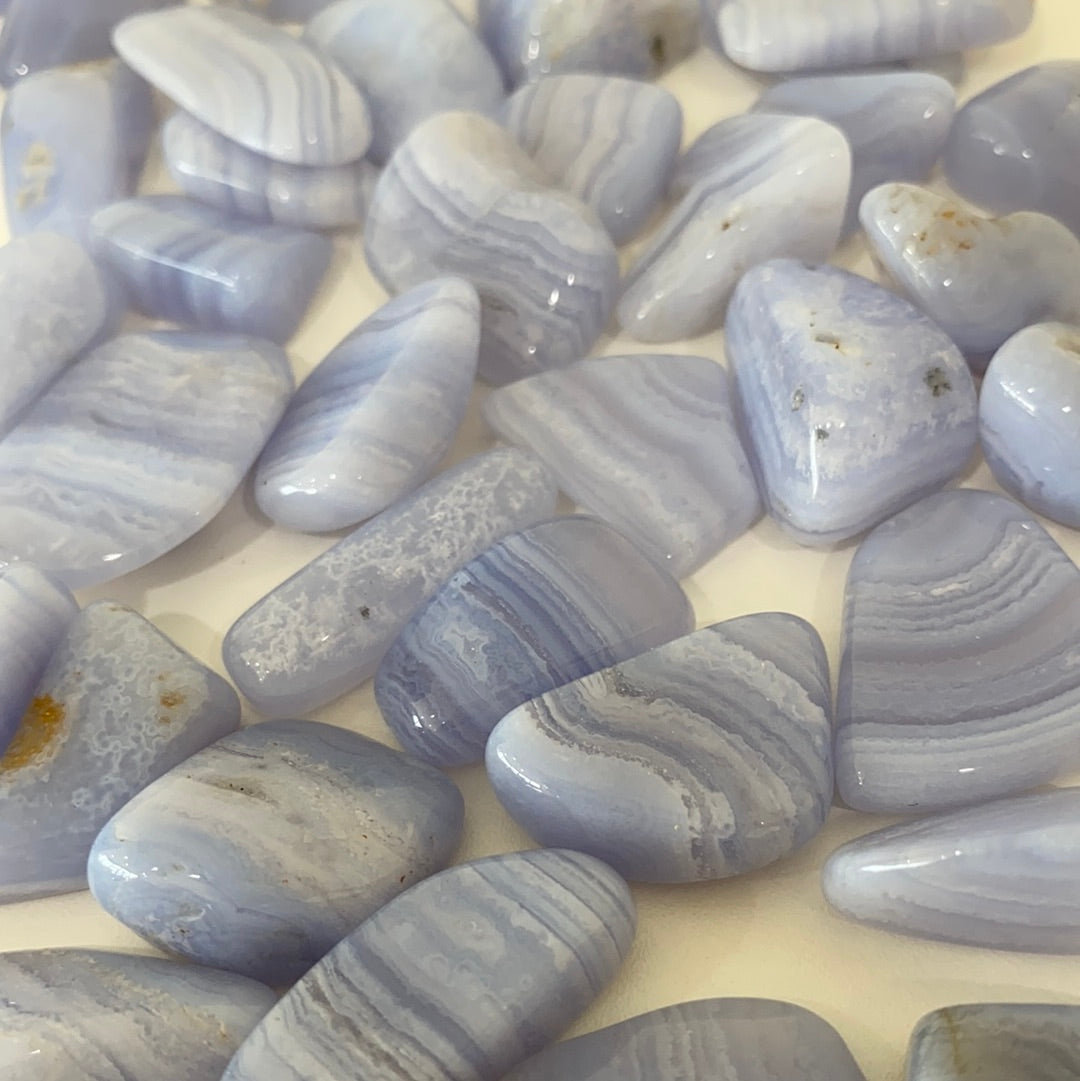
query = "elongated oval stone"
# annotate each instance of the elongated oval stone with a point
(751, 188)
(540, 608)
(196, 264)
(854, 402)
(135, 448)
(262, 851)
(461, 197)
(462, 976)
(1004, 875)
(270, 91)
(104, 1016)
(118, 705)
(373, 419)
(303, 645)
(704, 758)
(648, 443)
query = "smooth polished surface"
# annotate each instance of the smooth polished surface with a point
(463, 976)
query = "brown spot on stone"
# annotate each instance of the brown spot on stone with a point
(657, 49)
(40, 726)
(937, 381)
(829, 339)
(171, 699)
(365, 612)
(947, 214)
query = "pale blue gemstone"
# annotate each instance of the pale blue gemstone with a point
(135, 448)
(463, 976)
(751, 188)
(323, 631)
(373, 420)
(855, 404)
(704, 758)
(538, 609)
(262, 851)
(198, 265)
(648, 443)
(118, 705)
(611, 142)
(461, 197)
(410, 59)
(1005, 875)
(269, 91)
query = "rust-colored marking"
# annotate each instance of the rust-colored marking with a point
(40, 725)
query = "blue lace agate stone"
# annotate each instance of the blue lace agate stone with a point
(751, 188)
(1016, 145)
(410, 59)
(854, 402)
(648, 443)
(270, 91)
(705, 758)
(261, 852)
(373, 419)
(323, 631)
(135, 448)
(538, 609)
(1005, 875)
(461, 197)
(117, 706)
(958, 681)
(195, 264)
(464, 975)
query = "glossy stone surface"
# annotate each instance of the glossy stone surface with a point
(373, 420)
(1029, 419)
(261, 852)
(751, 188)
(195, 264)
(1004, 875)
(215, 170)
(112, 1017)
(748, 1039)
(74, 140)
(270, 91)
(302, 644)
(463, 976)
(135, 448)
(1015, 145)
(538, 609)
(117, 706)
(855, 403)
(648, 443)
(981, 279)
(705, 758)
(461, 197)
(410, 59)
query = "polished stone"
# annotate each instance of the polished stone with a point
(270, 91)
(1015, 146)
(538, 609)
(751, 188)
(262, 851)
(410, 59)
(648, 443)
(461, 197)
(302, 644)
(100, 1016)
(373, 420)
(855, 403)
(463, 976)
(1004, 875)
(197, 265)
(135, 448)
(704, 758)
(118, 705)
(611, 142)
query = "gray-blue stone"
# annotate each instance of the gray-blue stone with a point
(303, 645)
(262, 851)
(373, 420)
(854, 402)
(463, 976)
(538, 609)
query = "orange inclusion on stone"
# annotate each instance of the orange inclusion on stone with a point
(40, 726)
